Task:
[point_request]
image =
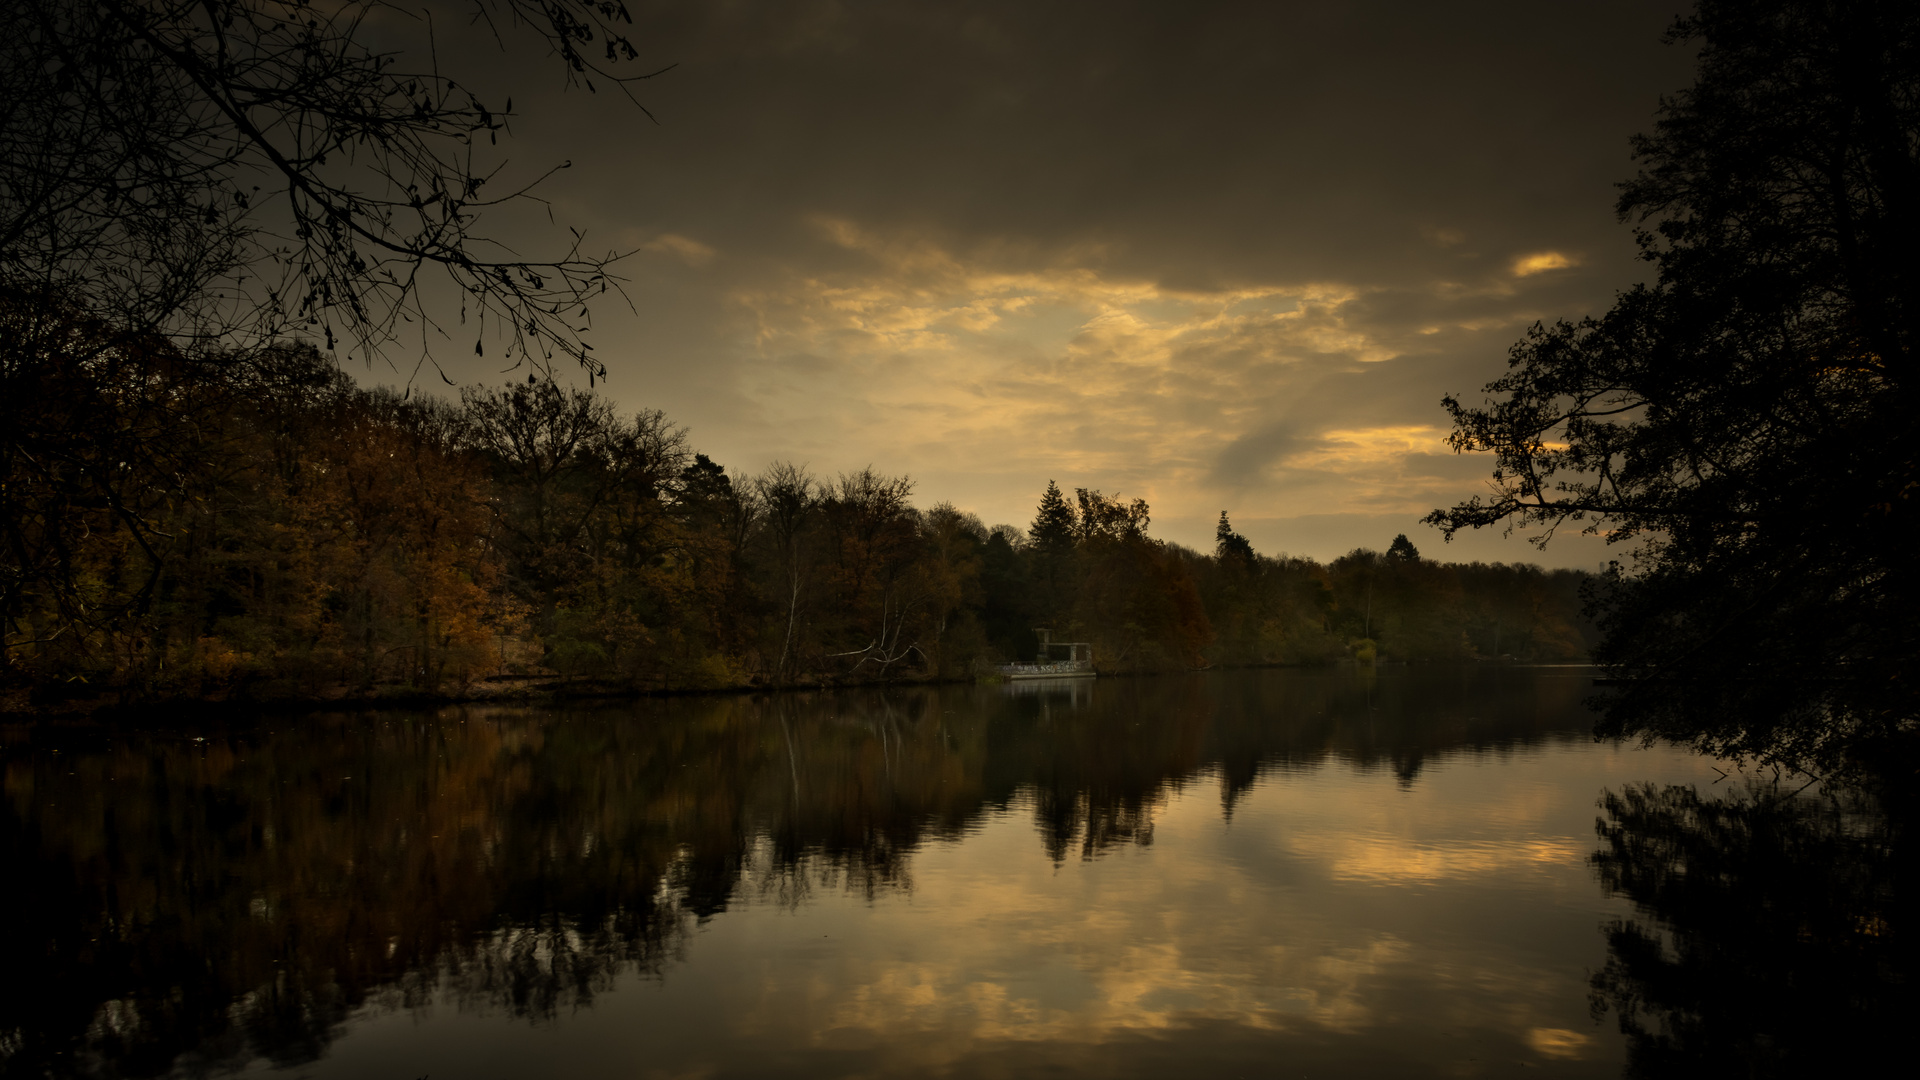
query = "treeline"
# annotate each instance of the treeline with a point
(261, 524)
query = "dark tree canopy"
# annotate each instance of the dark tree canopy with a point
(224, 172)
(187, 189)
(1747, 421)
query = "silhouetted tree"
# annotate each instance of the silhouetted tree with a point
(1402, 550)
(1229, 546)
(880, 592)
(1750, 419)
(1050, 554)
(187, 184)
(1136, 599)
(787, 493)
(721, 518)
(548, 446)
(206, 168)
(1054, 523)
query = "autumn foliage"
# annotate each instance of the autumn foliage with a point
(259, 525)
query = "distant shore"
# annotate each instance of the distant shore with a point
(51, 704)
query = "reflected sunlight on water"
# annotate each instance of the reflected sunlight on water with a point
(1321, 871)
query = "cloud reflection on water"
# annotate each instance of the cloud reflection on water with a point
(1359, 873)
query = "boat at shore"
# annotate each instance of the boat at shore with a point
(1057, 660)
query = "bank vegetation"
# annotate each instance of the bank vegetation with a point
(260, 527)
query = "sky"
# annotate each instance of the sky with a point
(1216, 256)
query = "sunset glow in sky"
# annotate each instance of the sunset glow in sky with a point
(1216, 256)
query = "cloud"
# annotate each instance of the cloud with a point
(1541, 262)
(1216, 254)
(1560, 1043)
(686, 249)
(923, 355)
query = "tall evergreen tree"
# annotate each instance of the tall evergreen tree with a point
(1051, 543)
(1053, 523)
(1230, 546)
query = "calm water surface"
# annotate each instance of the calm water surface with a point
(1243, 874)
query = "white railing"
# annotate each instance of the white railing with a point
(1059, 667)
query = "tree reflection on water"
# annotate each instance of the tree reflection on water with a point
(1774, 937)
(195, 898)
(189, 899)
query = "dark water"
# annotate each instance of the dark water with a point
(1245, 874)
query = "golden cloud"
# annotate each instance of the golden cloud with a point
(1348, 449)
(1541, 262)
(1559, 1043)
(927, 359)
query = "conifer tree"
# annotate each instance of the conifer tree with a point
(1052, 543)
(1231, 546)
(1053, 525)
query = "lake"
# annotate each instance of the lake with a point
(1257, 873)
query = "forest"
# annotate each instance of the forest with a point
(192, 505)
(258, 526)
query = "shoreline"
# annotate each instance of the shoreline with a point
(18, 706)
